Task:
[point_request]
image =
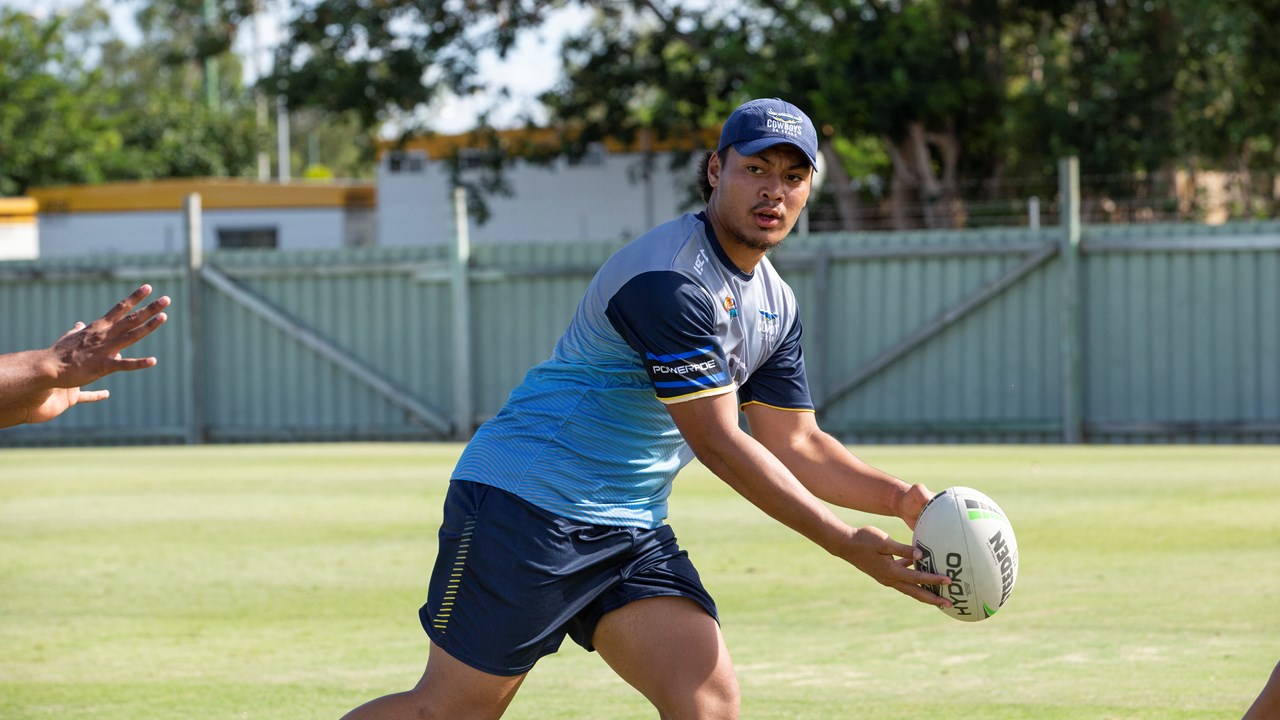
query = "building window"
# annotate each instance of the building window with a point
(478, 158)
(248, 238)
(592, 156)
(405, 162)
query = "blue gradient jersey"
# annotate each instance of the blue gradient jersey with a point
(666, 319)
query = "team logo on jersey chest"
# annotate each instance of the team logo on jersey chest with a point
(730, 306)
(768, 323)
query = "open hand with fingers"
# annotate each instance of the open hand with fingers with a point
(89, 352)
(889, 562)
(39, 385)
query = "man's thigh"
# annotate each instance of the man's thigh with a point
(449, 690)
(511, 578)
(672, 651)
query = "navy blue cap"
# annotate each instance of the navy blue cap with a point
(763, 123)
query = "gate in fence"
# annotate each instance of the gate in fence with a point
(1150, 333)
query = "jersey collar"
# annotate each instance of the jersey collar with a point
(721, 255)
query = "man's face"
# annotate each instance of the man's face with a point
(758, 198)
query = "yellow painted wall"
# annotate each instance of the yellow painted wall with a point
(21, 210)
(215, 194)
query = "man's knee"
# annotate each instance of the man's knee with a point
(452, 690)
(717, 698)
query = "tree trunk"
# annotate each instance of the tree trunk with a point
(848, 206)
(914, 175)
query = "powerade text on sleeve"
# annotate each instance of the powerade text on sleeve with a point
(670, 322)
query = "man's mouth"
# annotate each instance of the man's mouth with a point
(767, 218)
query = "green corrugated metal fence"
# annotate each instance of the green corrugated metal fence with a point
(909, 337)
(933, 336)
(1182, 332)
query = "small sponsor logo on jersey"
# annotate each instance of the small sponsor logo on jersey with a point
(702, 367)
(685, 371)
(700, 261)
(768, 323)
(731, 306)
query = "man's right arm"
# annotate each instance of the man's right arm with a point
(710, 426)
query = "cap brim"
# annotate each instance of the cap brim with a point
(755, 147)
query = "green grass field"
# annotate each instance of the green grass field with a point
(283, 582)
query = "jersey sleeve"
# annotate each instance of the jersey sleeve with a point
(670, 321)
(781, 382)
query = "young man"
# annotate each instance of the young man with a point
(39, 385)
(553, 522)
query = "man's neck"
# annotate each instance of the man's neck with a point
(742, 256)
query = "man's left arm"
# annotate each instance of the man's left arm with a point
(828, 469)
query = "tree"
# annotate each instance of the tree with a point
(197, 33)
(925, 78)
(1227, 115)
(388, 59)
(166, 127)
(81, 106)
(946, 88)
(50, 131)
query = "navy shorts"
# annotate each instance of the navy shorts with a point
(511, 579)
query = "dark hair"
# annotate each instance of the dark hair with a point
(704, 182)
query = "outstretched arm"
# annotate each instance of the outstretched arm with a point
(39, 385)
(827, 468)
(710, 425)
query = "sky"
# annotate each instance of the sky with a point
(531, 68)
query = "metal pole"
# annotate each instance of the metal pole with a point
(460, 284)
(191, 307)
(1071, 325)
(261, 135)
(283, 153)
(210, 63)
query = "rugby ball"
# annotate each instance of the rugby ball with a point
(964, 535)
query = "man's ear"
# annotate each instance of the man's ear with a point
(713, 170)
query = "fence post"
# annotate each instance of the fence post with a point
(1071, 325)
(460, 285)
(194, 263)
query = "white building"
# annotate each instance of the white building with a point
(611, 193)
(144, 217)
(19, 239)
(614, 192)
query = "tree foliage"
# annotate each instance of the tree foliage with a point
(388, 59)
(910, 95)
(81, 106)
(49, 128)
(947, 88)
